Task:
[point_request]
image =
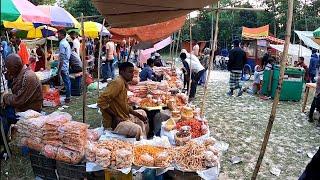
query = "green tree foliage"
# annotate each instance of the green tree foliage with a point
(306, 17)
(43, 2)
(76, 7)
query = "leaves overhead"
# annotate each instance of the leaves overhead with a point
(306, 17)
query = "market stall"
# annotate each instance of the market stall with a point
(255, 43)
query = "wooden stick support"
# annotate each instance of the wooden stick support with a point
(99, 57)
(177, 47)
(214, 47)
(170, 55)
(278, 90)
(190, 65)
(84, 73)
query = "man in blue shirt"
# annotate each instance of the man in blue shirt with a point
(147, 72)
(64, 56)
(314, 61)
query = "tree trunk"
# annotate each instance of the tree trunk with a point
(278, 90)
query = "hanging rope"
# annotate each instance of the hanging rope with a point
(213, 44)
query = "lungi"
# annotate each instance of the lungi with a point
(234, 81)
(133, 127)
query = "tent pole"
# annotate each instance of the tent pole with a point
(51, 48)
(278, 90)
(84, 75)
(214, 47)
(190, 65)
(177, 47)
(170, 54)
(99, 56)
(45, 50)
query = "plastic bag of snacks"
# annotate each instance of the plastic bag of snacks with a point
(69, 156)
(28, 114)
(94, 134)
(50, 151)
(90, 152)
(103, 157)
(124, 158)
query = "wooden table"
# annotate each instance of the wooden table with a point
(306, 94)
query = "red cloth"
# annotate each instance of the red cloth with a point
(23, 53)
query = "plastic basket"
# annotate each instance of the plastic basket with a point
(44, 173)
(70, 171)
(40, 160)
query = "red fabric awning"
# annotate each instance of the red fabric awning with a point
(153, 32)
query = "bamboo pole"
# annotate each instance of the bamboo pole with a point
(99, 56)
(170, 54)
(213, 48)
(278, 90)
(177, 47)
(190, 65)
(84, 74)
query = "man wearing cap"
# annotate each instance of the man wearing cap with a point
(158, 61)
(237, 60)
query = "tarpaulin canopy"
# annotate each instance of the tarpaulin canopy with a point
(39, 32)
(294, 50)
(307, 38)
(316, 33)
(255, 33)
(260, 33)
(59, 16)
(145, 54)
(12, 9)
(153, 32)
(133, 13)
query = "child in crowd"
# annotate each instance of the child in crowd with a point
(256, 86)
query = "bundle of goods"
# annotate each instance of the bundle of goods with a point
(139, 90)
(43, 75)
(148, 102)
(60, 153)
(136, 77)
(51, 98)
(170, 124)
(30, 132)
(195, 156)
(113, 153)
(155, 153)
(95, 134)
(186, 113)
(151, 85)
(55, 135)
(65, 139)
(28, 114)
(151, 156)
(198, 128)
(134, 100)
(163, 85)
(50, 128)
(74, 135)
(183, 136)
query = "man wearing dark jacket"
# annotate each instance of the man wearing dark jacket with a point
(314, 61)
(237, 60)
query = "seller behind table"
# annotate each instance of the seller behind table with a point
(116, 112)
(26, 90)
(148, 73)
